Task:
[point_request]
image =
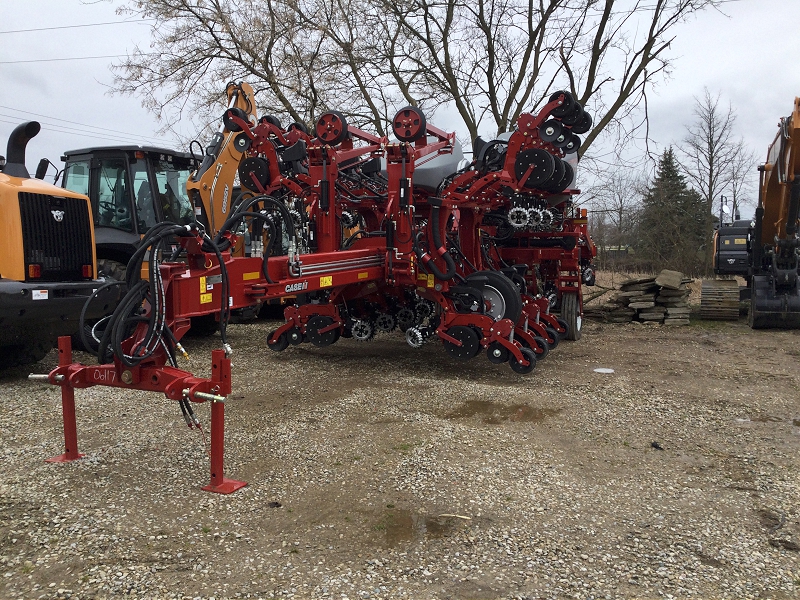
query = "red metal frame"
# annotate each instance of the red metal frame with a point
(174, 383)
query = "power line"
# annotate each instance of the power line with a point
(99, 135)
(75, 26)
(101, 129)
(39, 60)
(105, 138)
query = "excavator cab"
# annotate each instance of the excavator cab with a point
(132, 188)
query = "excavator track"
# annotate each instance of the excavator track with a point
(719, 300)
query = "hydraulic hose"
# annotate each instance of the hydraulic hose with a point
(82, 320)
(440, 249)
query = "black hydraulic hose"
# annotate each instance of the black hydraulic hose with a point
(273, 234)
(244, 207)
(154, 235)
(82, 320)
(461, 254)
(130, 302)
(224, 314)
(440, 249)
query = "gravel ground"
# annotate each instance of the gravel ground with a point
(404, 474)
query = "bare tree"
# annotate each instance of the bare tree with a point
(743, 180)
(713, 159)
(489, 60)
(617, 196)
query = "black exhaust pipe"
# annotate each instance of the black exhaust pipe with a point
(15, 153)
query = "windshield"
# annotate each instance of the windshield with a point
(171, 181)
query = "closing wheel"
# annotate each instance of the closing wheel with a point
(571, 313)
(318, 338)
(385, 322)
(362, 330)
(542, 347)
(331, 128)
(573, 144)
(563, 330)
(553, 335)
(500, 294)
(299, 126)
(550, 130)
(518, 367)
(583, 124)
(278, 344)
(295, 336)
(566, 106)
(574, 116)
(227, 118)
(497, 353)
(272, 120)
(470, 342)
(409, 124)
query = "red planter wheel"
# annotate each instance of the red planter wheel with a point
(409, 124)
(331, 128)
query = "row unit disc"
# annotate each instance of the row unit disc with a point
(571, 113)
(538, 169)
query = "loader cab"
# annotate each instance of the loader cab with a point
(132, 188)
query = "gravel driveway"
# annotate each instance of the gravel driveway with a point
(378, 471)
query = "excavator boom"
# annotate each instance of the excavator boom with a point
(211, 186)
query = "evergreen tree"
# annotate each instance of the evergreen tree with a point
(672, 231)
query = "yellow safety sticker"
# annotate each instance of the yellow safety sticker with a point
(363, 275)
(326, 281)
(202, 285)
(206, 298)
(430, 280)
(253, 275)
(422, 276)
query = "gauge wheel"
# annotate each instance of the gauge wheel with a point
(500, 294)
(280, 343)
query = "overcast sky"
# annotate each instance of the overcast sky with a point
(750, 58)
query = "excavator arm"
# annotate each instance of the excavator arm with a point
(211, 186)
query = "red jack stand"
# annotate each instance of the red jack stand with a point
(68, 407)
(174, 383)
(221, 376)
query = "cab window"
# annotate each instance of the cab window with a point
(171, 183)
(145, 209)
(113, 199)
(76, 177)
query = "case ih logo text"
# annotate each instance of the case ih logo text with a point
(58, 215)
(296, 287)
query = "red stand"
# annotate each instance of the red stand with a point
(221, 375)
(67, 407)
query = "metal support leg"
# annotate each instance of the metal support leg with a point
(221, 375)
(67, 407)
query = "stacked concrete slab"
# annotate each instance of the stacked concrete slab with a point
(662, 299)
